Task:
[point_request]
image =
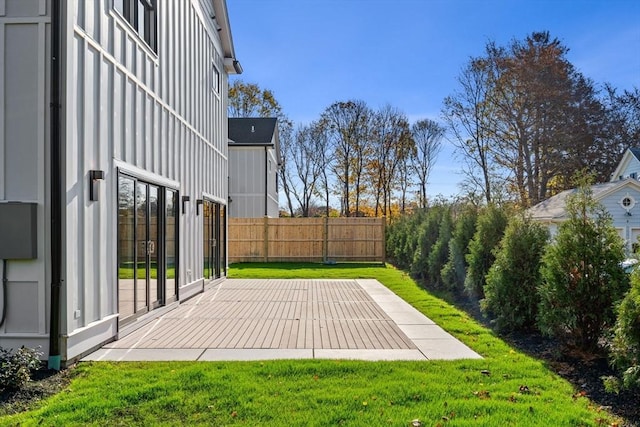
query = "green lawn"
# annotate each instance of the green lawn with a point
(505, 388)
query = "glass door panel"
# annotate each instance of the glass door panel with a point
(153, 248)
(171, 244)
(126, 246)
(206, 238)
(142, 213)
(222, 240)
(216, 240)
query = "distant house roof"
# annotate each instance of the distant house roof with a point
(627, 158)
(554, 208)
(253, 131)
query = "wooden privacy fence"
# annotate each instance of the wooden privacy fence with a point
(306, 239)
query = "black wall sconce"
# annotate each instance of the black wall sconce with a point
(199, 202)
(94, 177)
(185, 199)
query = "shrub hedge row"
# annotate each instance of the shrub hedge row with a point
(571, 286)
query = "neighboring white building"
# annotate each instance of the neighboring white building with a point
(620, 197)
(254, 161)
(114, 133)
(629, 166)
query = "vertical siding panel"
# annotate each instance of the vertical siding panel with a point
(3, 144)
(88, 297)
(105, 254)
(43, 126)
(74, 192)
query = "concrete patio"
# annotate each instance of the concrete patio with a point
(244, 319)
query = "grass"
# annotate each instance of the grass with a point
(505, 388)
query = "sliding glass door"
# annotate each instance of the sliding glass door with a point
(147, 232)
(214, 240)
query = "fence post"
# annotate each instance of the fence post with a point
(325, 239)
(265, 243)
(384, 239)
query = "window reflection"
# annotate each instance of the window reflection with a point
(171, 230)
(126, 246)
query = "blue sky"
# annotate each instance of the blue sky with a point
(408, 53)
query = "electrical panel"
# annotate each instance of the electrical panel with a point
(18, 230)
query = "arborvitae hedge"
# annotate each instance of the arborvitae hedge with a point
(511, 290)
(455, 270)
(582, 276)
(439, 254)
(625, 347)
(489, 231)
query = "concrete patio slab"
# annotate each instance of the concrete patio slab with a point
(255, 319)
(445, 349)
(425, 332)
(371, 355)
(144, 354)
(230, 354)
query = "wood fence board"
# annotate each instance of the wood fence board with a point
(306, 239)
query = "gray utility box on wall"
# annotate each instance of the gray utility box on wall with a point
(18, 230)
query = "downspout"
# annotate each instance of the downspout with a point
(56, 193)
(266, 182)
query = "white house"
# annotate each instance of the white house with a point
(254, 161)
(620, 197)
(629, 166)
(113, 146)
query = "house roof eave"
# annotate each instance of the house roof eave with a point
(231, 63)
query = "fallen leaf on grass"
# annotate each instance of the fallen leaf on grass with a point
(482, 394)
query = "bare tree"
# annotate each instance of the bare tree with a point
(427, 137)
(391, 142)
(347, 125)
(309, 162)
(466, 114)
(286, 137)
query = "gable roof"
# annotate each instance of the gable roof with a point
(628, 156)
(554, 208)
(253, 131)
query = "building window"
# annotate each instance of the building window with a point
(633, 175)
(627, 202)
(141, 14)
(215, 78)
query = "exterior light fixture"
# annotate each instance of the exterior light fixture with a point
(199, 202)
(94, 177)
(185, 199)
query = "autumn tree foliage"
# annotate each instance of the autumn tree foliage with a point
(524, 116)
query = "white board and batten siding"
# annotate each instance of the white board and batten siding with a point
(160, 116)
(24, 169)
(252, 180)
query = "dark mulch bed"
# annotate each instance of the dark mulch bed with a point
(45, 383)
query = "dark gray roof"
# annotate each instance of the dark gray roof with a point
(635, 152)
(252, 131)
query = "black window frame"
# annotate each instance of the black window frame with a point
(130, 12)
